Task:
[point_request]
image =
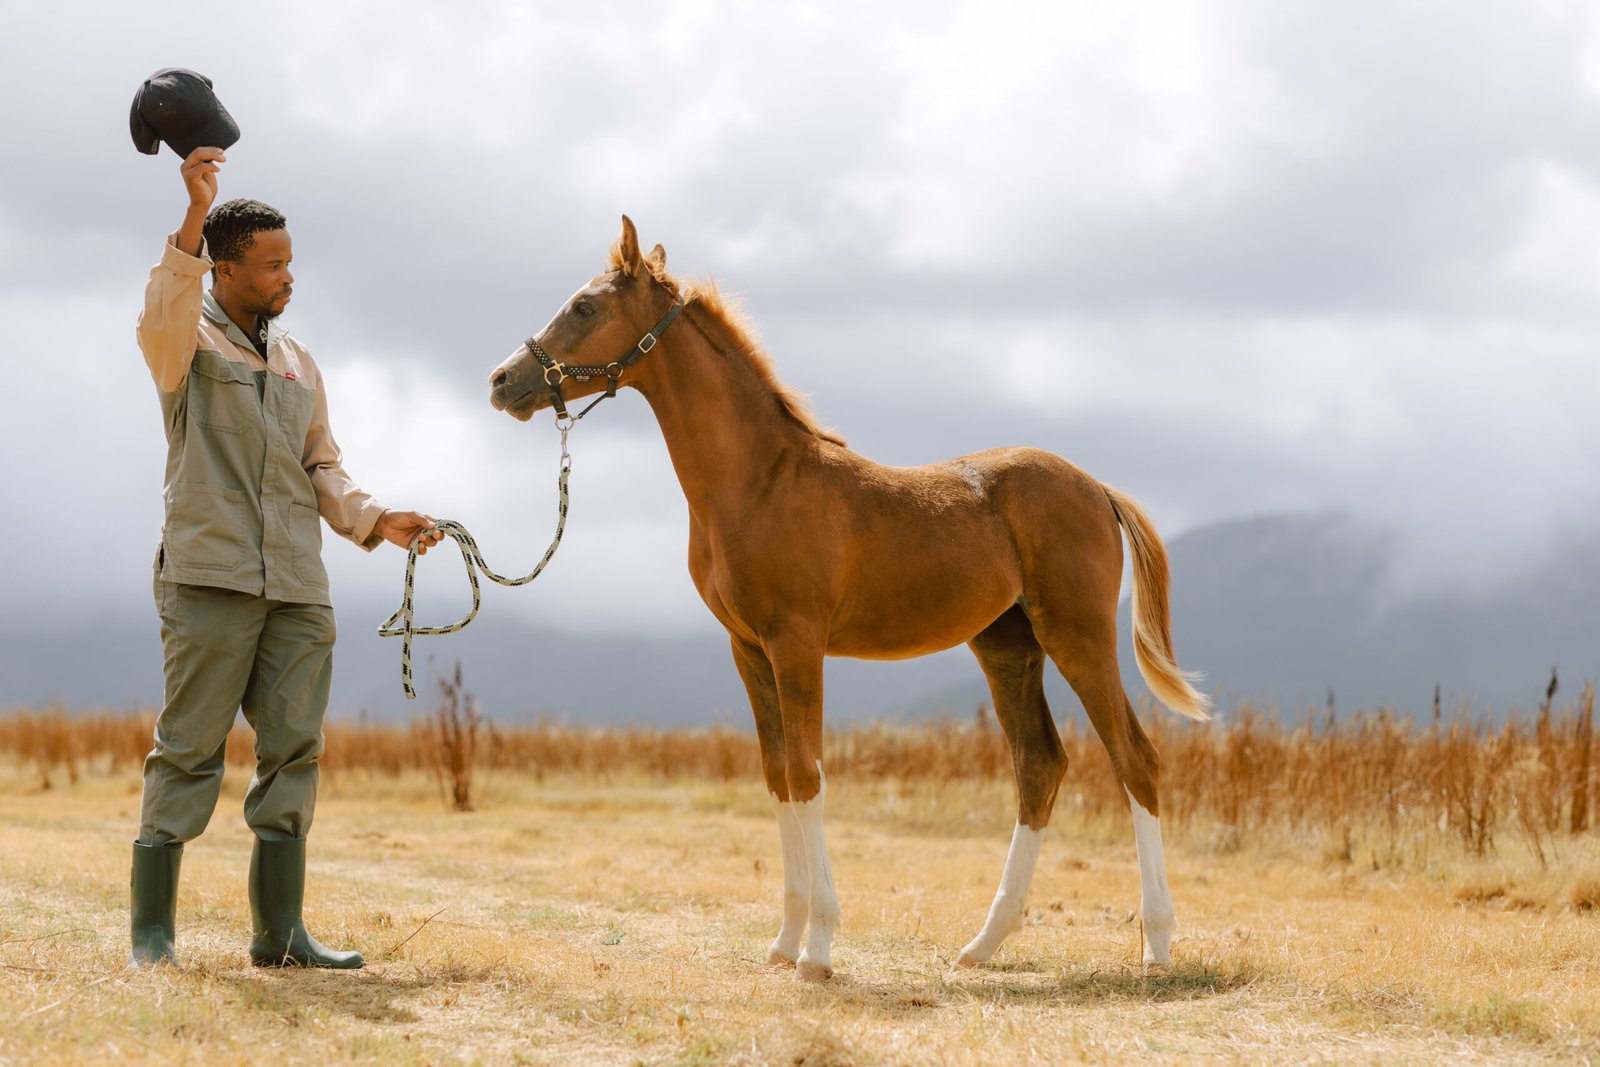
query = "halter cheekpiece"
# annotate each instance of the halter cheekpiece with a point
(556, 372)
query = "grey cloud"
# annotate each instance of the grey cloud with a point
(1385, 178)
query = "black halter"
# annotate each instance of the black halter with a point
(555, 372)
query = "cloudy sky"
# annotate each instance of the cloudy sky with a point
(1233, 257)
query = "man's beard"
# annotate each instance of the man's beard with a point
(267, 309)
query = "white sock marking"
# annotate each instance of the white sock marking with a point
(796, 882)
(1155, 900)
(1005, 914)
(824, 901)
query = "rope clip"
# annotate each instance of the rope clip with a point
(565, 426)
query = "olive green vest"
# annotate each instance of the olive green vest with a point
(240, 510)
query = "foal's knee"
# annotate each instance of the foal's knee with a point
(805, 782)
(776, 776)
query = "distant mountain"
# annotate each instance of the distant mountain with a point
(1282, 610)
(1290, 609)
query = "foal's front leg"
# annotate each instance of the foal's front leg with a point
(797, 667)
(756, 671)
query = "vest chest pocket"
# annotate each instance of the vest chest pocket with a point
(222, 394)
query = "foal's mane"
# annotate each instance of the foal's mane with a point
(730, 329)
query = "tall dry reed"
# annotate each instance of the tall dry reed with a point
(1371, 780)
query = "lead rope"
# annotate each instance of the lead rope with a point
(473, 560)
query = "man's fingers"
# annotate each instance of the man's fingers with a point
(407, 528)
(204, 154)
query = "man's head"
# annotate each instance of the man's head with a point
(250, 250)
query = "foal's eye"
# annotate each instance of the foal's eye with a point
(584, 309)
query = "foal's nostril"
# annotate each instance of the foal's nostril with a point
(498, 377)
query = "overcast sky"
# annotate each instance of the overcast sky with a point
(1234, 258)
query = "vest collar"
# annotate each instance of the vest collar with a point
(213, 310)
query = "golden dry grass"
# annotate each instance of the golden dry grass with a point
(623, 916)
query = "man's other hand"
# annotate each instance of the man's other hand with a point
(402, 527)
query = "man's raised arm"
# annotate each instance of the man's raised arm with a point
(173, 295)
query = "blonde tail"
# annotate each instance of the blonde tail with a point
(1152, 617)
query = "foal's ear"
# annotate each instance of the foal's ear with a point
(657, 258)
(626, 254)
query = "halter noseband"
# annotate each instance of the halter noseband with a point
(556, 372)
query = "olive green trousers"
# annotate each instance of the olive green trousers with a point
(222, 652)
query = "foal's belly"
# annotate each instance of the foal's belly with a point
(926, 612)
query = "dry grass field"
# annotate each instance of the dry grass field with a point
(1361, 893)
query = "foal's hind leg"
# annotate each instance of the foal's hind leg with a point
(1013, 661)
(756, 671)
(1096, 680)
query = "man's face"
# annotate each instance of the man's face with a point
(259, 281)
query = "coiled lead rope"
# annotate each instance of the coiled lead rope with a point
(402, 623)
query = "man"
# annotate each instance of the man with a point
(246, 621)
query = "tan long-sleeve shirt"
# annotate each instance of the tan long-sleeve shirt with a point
(251, 461)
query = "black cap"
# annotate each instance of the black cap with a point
(177, 106)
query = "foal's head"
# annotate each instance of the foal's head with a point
(598, 326)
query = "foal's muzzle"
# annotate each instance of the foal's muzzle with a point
(519, 401)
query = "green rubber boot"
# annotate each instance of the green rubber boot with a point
(154, 890)
(277, 892)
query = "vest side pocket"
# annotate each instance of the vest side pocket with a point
(305, 534)
(205, 527)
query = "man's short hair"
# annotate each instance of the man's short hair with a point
(230, 229)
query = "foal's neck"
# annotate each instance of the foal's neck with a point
(724, 419)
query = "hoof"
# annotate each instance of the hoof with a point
(779, 959)
(814, 972)
(965, 960)
(1157, 944)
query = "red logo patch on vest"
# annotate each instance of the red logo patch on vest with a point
(289, 375)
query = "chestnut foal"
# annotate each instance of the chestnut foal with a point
(803, 549)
